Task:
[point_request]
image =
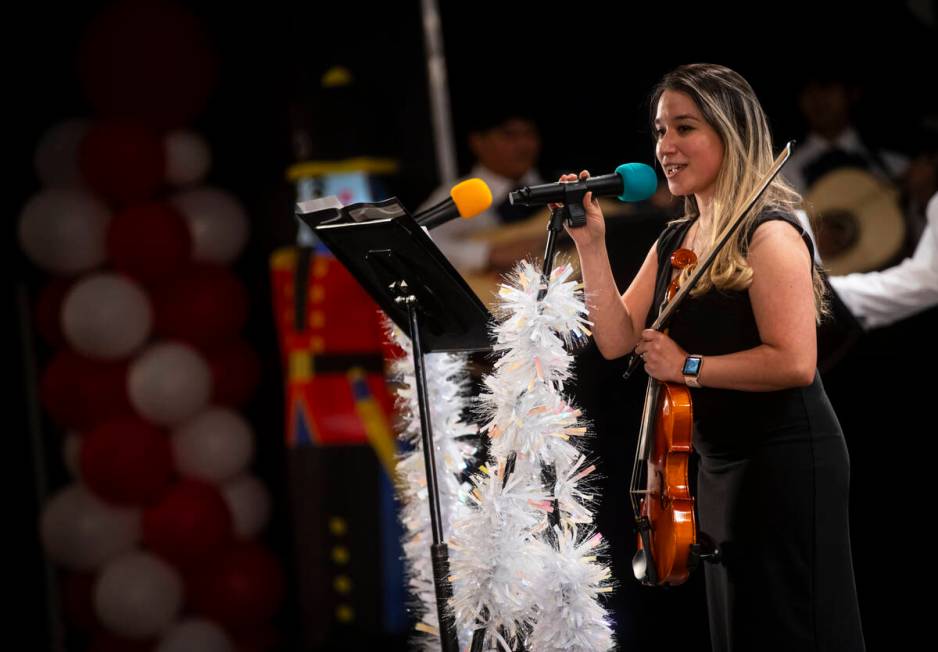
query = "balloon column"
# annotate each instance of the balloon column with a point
(145, 368)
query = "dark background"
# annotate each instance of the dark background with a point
(588, 71)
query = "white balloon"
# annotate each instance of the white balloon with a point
(188, 157)
(249, 503)
(169, 383)
(56, 156)
(81, 532)
(217, 221)
(215, 445)
(195, 635)
(71, 454)
(106, 316)
(137, 595)
(64, 231)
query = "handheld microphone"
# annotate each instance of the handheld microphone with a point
(466, 199)
(630, 182)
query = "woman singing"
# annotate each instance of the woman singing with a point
(773, 474)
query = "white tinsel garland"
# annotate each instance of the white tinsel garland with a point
(515, 576)
(492, 582)
(572, 619)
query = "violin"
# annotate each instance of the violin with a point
(669, 544)
(667, 509)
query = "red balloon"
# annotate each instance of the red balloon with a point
(206, 305)
(236, 372)
(127, 461)
(78, 601)
(79, 392)
(123, 162)
(49, 311)
(189, 523)
(149, 241)
(240, 588)
(149, 60)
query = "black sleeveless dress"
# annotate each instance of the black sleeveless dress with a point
(772, 489)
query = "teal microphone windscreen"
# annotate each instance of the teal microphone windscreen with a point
(639, 181)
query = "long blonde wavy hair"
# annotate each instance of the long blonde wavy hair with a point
(730, 106)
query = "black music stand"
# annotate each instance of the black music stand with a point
(397, 263)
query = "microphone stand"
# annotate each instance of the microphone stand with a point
(558, 216)
(574, 215)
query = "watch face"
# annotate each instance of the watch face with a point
(691, 366)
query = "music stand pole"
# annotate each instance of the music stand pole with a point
(396, 262)
(439, 551)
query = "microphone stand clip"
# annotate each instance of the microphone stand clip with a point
(573, 213)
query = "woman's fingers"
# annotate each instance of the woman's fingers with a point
(589, 198)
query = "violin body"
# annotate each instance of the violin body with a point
(668, 504)
(667, 537)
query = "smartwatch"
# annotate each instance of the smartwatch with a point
(691, 370)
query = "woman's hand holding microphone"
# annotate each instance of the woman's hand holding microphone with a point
(594, 232)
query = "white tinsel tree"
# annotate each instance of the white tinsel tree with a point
(455, 447)
(524, 557)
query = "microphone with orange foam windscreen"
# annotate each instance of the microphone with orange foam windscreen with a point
(466, 199)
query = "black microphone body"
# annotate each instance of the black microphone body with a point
(438, 214)
(605, 185)
(630, 182)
